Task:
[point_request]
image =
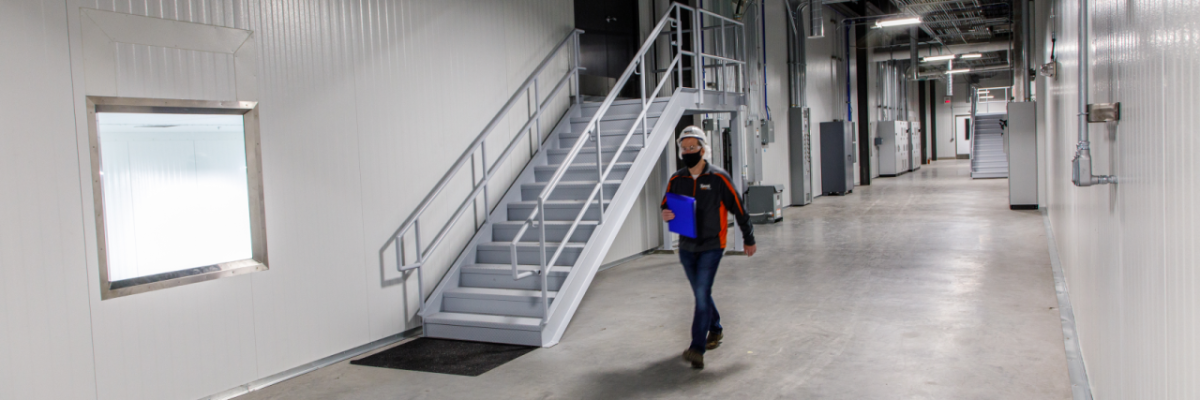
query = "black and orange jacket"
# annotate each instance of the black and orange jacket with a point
(716, 197)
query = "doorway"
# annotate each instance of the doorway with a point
(962, 136)
(609, 42)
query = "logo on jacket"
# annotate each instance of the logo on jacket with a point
(705, 187)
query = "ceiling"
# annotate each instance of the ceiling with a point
(949, 26)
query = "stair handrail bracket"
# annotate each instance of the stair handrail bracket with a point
(591, 131)
(532, 126)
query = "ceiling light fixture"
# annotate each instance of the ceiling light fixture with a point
(939, 58)
(958, 71)
(897, 22)
(972, 55)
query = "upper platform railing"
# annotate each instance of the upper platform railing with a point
(724, 81)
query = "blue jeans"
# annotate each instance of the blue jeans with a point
(701, 269)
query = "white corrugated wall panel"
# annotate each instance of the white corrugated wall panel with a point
(363, 106)
(45, 337)
(1128, 250)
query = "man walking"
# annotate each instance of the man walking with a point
(715, 197)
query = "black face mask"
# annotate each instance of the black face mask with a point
(691, 159)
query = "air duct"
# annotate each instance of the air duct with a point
(816, 25)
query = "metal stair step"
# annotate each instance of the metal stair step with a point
(579, 172)
(556, 210)
(588, 156)
(572, 190)
(500, 276)
(615, 122)
(609, 138)
(485, 321)
(527, 253)
(505, 231)
(510, 302)
(627, 107)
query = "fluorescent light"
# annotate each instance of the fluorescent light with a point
(898, 22)
(972, 55)
(939, 58)
(958, 71)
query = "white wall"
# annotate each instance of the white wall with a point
(1129, 250)
(823, 80)
(353, 102)
(45, 327)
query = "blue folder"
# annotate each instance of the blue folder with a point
(684, 208)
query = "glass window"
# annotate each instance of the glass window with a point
(175, 191)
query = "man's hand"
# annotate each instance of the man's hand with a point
(750, 249)
(668, 215)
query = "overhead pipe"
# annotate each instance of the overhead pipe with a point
(1081, 171)
(1026, 42)
(797, 54)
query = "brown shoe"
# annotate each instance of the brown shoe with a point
(694, 357)
(714, 340)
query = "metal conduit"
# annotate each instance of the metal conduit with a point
(1081, 171)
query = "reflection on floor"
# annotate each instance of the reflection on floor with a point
(922, 286)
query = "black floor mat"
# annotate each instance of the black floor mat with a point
(445, 356)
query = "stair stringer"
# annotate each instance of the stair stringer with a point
(484, 234)
(575, 286)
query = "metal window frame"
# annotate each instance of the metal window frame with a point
(258, 235)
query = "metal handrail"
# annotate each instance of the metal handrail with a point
(479, 145)
(592, 129)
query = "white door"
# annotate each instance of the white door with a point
(962, 132)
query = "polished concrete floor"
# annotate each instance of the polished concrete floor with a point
(924, 286)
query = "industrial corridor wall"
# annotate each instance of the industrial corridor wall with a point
(363, 105)
(1129, 250)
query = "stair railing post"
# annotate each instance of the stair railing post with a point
(399, 252)
(600, 168)
(642, 66)
(487, 204)
(698, 54)
(542, 229)
(679, 45)
(417, 233)
(575, 73)
(537, 101)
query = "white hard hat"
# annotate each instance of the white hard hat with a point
(698, 134)
(693, 132)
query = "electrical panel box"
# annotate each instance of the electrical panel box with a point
(837, 157)
(914, 146)
(1021, 138)
(894, 153)
(800, 156)
(768, 132)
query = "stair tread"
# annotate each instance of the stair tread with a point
(581, 166)
(549, 245)
(616, 117)
(553, 202)
(505, 269)
(494, 293)
(563, 223)
(662, 99)
(561, 183)
(605, 132)
(589, 149)
(485, 320)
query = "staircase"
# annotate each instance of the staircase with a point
(987, 149)
(529, 263)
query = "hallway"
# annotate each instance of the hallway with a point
(924, 286)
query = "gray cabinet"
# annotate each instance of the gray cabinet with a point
(837, 157)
